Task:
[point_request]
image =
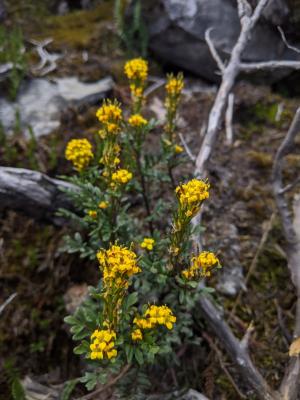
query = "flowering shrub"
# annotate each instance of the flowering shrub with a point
(148, 275)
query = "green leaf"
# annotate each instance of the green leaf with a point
(129, 352)
(131, 299)
(69, 386)
(17, 390)
(82, 348)
(71, 320)
(139, 356)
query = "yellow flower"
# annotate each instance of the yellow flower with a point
(156, 315)
(121, 176)
(103, 204)
(102, 344)
(110, 115)
(136, 69)
(201, 265)
(136, 120)
(174, 85)
(148, 243)
(178, 149)
(118, 265)
(137, 335)
(92, 214)
(191, 195)
(79, 152)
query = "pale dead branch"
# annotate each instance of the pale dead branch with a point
(291, 228)
(230, 72)
(286, 42)
(47, 61)
(7, 302)
(213, 50)
(228, 119)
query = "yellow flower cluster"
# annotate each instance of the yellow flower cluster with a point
(191, 195)
(110, 115)
(103, 343)
(174, 85)
(103, 204)
(137, 121)
(118, 265)
(136, 69)
(201, 265)
(154, 316)
(137, 335)
(121, 176)
(148, 243)
(178, 149)
(79, 152)
(92, 214)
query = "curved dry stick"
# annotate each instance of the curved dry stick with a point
(291, 381)
(107, 386)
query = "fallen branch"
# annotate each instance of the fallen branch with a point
(33, 193)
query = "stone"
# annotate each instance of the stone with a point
(40, 102)
(177, 34)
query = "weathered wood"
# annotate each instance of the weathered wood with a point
(33, 193)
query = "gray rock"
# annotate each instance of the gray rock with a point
(177, 33)
(40, 102)
(231, 281)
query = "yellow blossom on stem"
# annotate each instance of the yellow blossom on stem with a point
(92, 213)
(154, 316)
(137, 121)
(191, 195)
(79, 152)
(174, 85)
(118, 264)
(178, 149)
(136, 69)
(102, 344)
(201, 265)
(137, 335)
(110, 115)
(148, 243)
(103, 204)
(121, 176)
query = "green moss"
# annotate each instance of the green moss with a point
(260, 158)
(78, 28)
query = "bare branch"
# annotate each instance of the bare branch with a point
(213, 50)
(107, 386)
(286, 42)
(290, 186)
(186, 148)
(269, 65)
(281, 202)
(228, 79)
(7, 301)
(228, 120)
(45, 56)
(236, 351)
(291, 228)
(225, 370)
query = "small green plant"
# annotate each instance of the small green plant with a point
(12, 50)
(131, 30)
(140, 312)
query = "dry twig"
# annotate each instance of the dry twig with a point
(291, 228)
